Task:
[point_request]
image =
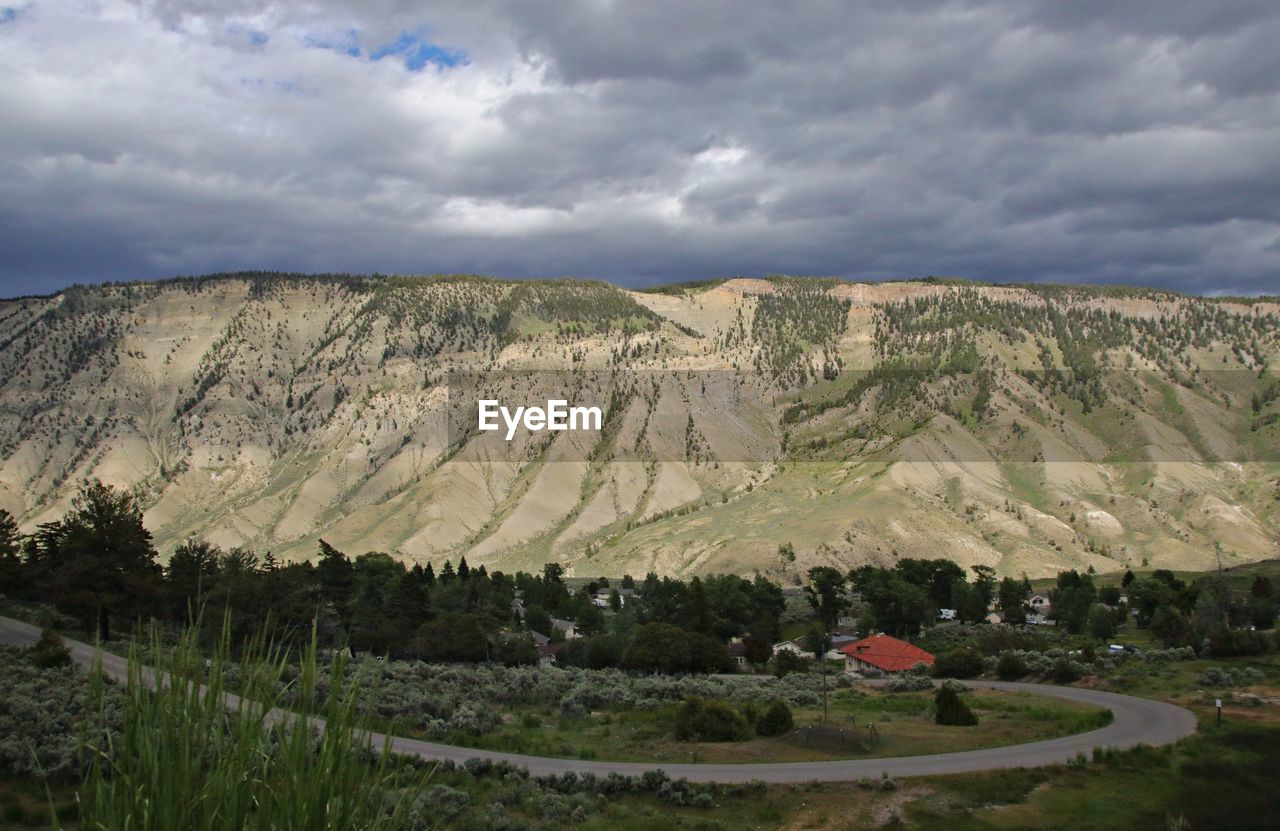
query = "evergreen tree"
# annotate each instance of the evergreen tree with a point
(984, 588)
(699, 607)
(950, 708)
(99, 560)
(9, 536)
(336, 575)
(192, 572)
(12, 574)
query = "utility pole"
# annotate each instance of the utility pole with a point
(823, 658)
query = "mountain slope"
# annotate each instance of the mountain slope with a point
(1028, 428)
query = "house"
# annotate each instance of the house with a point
(737, 651)
(601, 597)
(797, 646)
(946, 614)
(837, 641)
(993, 618)
(794, 646)
(1039, 604)
(565, 626)
(548, 652)
(883, 653)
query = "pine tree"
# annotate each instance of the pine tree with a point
(950, 708)
(336, 575)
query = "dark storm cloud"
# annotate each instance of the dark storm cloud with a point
(1009, 140)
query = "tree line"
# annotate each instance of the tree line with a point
(98, 564)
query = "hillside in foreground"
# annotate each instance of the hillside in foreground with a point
(1030, 428)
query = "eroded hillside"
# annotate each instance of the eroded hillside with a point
(1029, 428)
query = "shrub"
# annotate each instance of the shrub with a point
(43, 717)
(988, 639)
(438, 802)
(776, 721)
(1220, 677)
(1065, 670)
(949, 708)
(958, 663)
(1011, 666)
(49, 651)
(1224, 642)
(516, 651)
(699, 720)
(787, 662)
(909, 682)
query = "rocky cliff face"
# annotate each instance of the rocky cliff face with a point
(1029, 428)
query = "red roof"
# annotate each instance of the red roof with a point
(886, 653)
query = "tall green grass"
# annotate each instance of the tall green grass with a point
(193, 756)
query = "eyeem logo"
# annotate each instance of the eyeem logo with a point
(556, 416)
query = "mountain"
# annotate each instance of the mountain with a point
(1029, 428)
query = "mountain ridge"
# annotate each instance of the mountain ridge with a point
(1027, 427)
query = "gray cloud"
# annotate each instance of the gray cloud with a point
(994, 139)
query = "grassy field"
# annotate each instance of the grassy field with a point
(903, 724)
(1221, 778)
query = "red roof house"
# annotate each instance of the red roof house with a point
(885, 654)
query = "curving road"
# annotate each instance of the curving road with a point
(1134, 721)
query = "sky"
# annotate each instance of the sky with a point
(643, 142)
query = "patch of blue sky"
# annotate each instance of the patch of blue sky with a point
(8, 14)
(255, 37)
(348, 43)
(417, 53)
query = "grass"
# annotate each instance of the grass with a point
(903, 723)
(1219, 779)
(186, 760)
(25, 803)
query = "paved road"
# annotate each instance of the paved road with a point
(1135, 721)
